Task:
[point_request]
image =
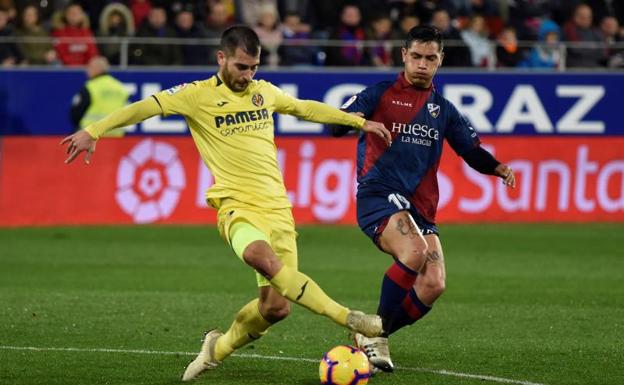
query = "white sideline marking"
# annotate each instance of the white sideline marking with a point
(443, 372)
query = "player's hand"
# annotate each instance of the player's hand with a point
(79, 142)
(505, 172)
(378, 129)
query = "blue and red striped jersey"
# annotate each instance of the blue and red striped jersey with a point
(419, 120)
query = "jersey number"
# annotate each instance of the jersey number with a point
(400, 201)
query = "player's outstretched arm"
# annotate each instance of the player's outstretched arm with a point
(338, 130)
(84, 140)
(323, 113)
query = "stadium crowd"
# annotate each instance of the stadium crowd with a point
(479, 33)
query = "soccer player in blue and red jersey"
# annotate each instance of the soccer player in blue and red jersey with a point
(397, 195)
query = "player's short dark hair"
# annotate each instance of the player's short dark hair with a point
(240, 36)
(424, 34)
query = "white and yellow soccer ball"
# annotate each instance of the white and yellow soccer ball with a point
(344, 365)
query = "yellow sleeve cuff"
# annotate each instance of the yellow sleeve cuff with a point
(91, 132)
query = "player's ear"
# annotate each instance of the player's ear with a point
(441, 58)
(403, 54)
(220, 58)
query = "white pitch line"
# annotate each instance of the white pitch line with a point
(443, 372)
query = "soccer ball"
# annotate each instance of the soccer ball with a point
(344, 365)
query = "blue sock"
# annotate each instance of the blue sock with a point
(411, 310)
(396, 284)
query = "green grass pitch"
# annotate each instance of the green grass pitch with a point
(525, 304)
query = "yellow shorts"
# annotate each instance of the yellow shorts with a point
(277, 224)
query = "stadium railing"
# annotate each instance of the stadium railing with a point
(126, 44)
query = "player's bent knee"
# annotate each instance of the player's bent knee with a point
(260, 256)
(413, 257)
(275, 311)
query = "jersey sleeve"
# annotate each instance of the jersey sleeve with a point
(313, 111)
(178, 100)
(364, 102)
(459, 133)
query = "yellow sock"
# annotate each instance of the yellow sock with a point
(248, 326)
(302, 290)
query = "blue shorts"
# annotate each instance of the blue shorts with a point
(376, 204)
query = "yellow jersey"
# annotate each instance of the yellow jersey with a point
(234, 133)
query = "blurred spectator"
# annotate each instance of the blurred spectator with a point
(294, 29)
(45, 10)
(34, 52)
(508, 54)
(155, 26)
(140, 9)
(217, 21)
(8, 6)
(349, 29)
(101, 95)
(187, 28)
(526, 15)
(9, 54)
(489, 9)
(546, 54)
(249, 11)
(76, 45)
(380, 30)
(604, 8)
(580, 30)
(229, 7)
(176, 6)
(406, 22)
(476, 37)
(456, 53)
(115, 21)
(270, 34)
(610, 29)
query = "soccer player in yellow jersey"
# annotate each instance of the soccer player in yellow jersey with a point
(230, 118)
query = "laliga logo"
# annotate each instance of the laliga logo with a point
(149, 181)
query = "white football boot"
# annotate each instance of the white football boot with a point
(367, 324)
(205, 359)
(377, 350)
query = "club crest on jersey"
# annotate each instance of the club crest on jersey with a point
(257, 100)
(434, 109)
(176, 89)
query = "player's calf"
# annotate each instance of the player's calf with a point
(431, 282)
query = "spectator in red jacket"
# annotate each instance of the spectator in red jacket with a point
(76, 45)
